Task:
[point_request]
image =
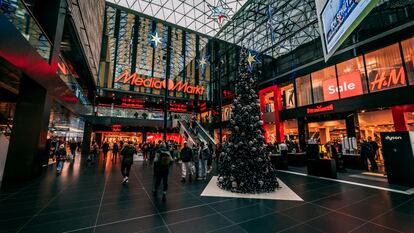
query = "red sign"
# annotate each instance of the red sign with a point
(132, 103)
(116, 128)
(320, 108)
(135, 79)
(178, 107)
(386, 79)
(227, 94)
(349, 85)
(203, 107)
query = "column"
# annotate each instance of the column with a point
(27, 146)
(87, 135)
(303, 132)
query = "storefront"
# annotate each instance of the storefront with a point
(346, 102)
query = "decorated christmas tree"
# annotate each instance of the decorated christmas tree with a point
(244, 165)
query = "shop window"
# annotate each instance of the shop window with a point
(303, 90)
(385, 69)
(322, 83)
(351, 78)
(269, 102)
(408, 50)
(287, 91)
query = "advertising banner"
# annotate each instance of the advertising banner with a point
(349, 85)
(337, 20)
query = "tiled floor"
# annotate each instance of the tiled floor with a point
(92, 199)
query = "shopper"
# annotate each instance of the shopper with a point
(210, 158)
(127, 154)
(94, 152)
(162, 162)
(187, 159)
(105, 149)
(72, 147)
(204, 154)
(366, 151)
(196, 160)
(372, 155)
(60, 158)
(115, 150)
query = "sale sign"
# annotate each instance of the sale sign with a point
(349, 85)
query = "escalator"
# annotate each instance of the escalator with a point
(196, 135)
(203, 134)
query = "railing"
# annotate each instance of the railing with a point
(204, 134)
(22, 18)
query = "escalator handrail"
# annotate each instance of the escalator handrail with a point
(187, 131)
(205, 133)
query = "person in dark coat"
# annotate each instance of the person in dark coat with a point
(115, 149)
(127, 154)
(187, 159)
(204, 155)
(60, 158)
(372, 155)
(72, 147)
(162, 162)
(105, 149)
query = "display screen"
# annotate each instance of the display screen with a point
(340, 17)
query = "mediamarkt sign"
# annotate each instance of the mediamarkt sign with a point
(155, 83)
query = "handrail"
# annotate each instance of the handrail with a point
(204, 131)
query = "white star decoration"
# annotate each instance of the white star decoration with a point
(252, 59)
(155, 39)
(219, 12)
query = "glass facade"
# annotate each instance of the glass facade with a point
(379, 70)
(304, 90)
(322, 80)
(385, 69)
(129, 49)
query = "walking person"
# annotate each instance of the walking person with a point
(366, 150)
(94, 152)
(115, 150)
(204, 154)
(127, 154)
(73, 147)
(372, 155)
(196, 160)
(162, 162)
(105, 149)
(210, 158)
(60, 158)
(187, 159)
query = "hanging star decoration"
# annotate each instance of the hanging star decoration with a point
(203, 63)
(155, 39)
(252, 59)
(220, 12)
(270, 24)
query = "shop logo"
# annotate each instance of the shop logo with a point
(320, 108)
(393, 138)
(158, 84)
(349, 85)
(382, 80)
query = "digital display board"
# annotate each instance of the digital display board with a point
(338, 18)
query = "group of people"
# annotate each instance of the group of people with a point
(196, 161)
(369, 150)
(58, 151)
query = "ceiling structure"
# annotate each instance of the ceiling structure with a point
(202, 16)
(273, 27)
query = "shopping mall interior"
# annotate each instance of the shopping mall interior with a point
(207, 116)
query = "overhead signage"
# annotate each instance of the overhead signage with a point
(337, 20)
(349, 85)
(155, 83)
(387, 79)
(320, 108)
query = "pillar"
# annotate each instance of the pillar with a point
(400, 123)
(87, 135)
(303, 132)
(28, 139)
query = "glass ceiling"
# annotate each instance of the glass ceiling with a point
(202, 16)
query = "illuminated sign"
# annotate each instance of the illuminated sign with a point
(386, 79)
(349, 85)
(338, 18)
(203, 107)
(158, 84)
(132, 103)
(116, 128)
(319, 109)
(178, 107)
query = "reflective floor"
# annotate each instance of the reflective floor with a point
(92, 199)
